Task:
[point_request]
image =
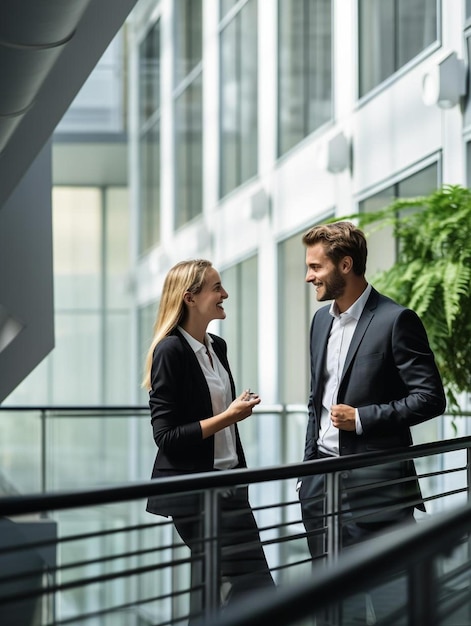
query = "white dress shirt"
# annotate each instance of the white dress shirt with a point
(225, 452)
(340, 337)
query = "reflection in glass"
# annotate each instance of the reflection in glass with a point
(305, 69)
(296, 307)
(188, 37)
(149, 188)
(239, 122)
(188, 153)
(390, 35)
(149, 73)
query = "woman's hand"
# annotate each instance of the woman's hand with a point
(242, 407)
(238, 410)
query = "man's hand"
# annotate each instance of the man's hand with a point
(343, 416)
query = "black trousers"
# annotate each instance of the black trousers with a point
(243, 565)
(365, 510)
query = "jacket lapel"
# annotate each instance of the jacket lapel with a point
(363, 323)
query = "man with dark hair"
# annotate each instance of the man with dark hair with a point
(373, 376)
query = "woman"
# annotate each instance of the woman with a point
(194, 415)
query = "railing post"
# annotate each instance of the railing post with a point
(43, 453)
(333, 508)
(422, 605)
(211, 551)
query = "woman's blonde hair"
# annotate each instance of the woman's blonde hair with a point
(182, 277)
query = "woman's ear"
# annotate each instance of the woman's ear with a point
(188, 298)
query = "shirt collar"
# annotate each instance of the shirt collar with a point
(196, 345)
(355, 310)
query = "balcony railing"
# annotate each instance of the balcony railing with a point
(94, 557)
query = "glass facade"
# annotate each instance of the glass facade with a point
(238, 99)
(381, 244)
(304, 69)
(390, 35)
(240, 330)
(149, 139)
(294, 321)
(188, 111)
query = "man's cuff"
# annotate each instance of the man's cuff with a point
(358, 426)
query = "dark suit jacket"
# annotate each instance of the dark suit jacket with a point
(389, 375)
(178, 400)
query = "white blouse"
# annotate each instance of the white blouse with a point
(225, 453)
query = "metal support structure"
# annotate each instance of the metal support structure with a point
(212, 551)
(422, 604)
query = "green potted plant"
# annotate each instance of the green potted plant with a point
(432, 275)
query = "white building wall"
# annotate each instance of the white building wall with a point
(391, 131)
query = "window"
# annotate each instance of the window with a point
(240, 331)
(391, 34)
(304, 69)
(188, 107)
(381, 244)
(468, 9)
(149, 148)
(467, 110)
(297, 304)
(238, 99)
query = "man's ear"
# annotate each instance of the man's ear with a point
(346, 264)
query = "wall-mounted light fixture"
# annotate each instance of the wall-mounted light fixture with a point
(445, 83)
(334, 154)
(260, 205)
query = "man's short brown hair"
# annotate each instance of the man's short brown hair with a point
(340, 239)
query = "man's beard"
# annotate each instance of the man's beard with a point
(334, 287)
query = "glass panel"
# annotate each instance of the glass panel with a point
(225, 6)
(77, 236)
(248, 92)
(99, 446)
(467, 111)
(391, 34)
(149, 73)
(150, 188)
(248, 311)
(420, 184)
(146, 319)
(468, 8)
(417, 28)
(376, 43)
(305, 69)
(77, 359)
(20, 453)
(117, 247)
(230, 96)
(230, 327)
(188, 37)
(239, 99)
(117, 371)
(189, 153)
(294, 322)
(240, 330)
(381, 244)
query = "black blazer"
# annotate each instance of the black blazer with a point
(390, 376)
(178, 400)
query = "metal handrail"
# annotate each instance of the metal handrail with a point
(34, 503)
(405, 548)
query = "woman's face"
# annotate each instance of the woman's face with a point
(208, 302)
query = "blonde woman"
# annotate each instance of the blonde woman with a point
(194, 415)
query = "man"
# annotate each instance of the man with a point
(373, 376)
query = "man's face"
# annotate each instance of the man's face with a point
(323, 274)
